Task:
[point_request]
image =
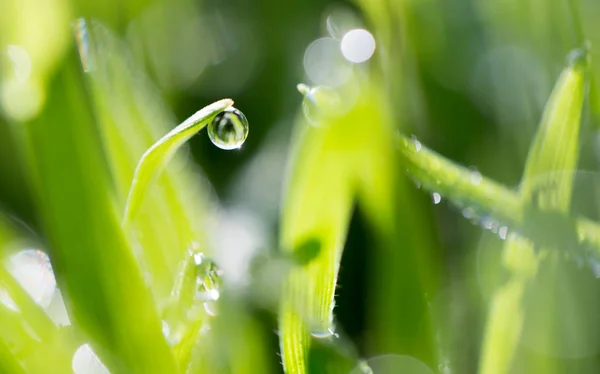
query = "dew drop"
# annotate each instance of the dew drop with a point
(468, 213)
(502, 231)
(475, 177)
(210, 307)
(166, 329)
(83, 46)
(208, 281)
(416, 143)
(595, 266)
(436, 198)
(229, 129)
(8, 301)
(490, 224)
(32, 269)
(578, 57)
(319, 102)
(325, 334)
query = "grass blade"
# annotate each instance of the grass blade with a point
(555, 148)
(108, 297)
(159, 154)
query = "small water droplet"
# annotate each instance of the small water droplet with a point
(318, 102)
(595, 266)
(229, 129)
(325, 334)
(365, 368)
(475, 177)
(8, 301)
(198, 257)
(81, 38)
(208, 280)
(166, 330)
(444, 367)
(436, 198)
(489, 223)
(468, 213)
(579, 57)
(502, 231)
(211, 307)
(32, 269)
(416, 143)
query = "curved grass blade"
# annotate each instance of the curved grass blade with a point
(159, 154)
(456, 183)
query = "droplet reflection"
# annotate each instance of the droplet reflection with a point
(229, 129)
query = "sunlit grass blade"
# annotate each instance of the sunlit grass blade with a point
(93, 261)
(157, 156)
(459, 184)
(131, 116)
(314, 222)
(337, 159)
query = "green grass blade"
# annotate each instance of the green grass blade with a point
(159, 154)
(93, 260)
(457, 183)
(555, 148)
(556, 145)
(8, 362)
(314, 223)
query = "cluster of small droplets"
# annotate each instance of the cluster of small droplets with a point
(208, 280)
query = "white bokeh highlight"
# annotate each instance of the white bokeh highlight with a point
(358, 45)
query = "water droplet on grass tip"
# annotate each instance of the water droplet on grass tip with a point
(229, 129)
(436, 198)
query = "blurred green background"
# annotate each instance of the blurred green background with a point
(87, 87)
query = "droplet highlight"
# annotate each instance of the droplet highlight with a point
(229, 129)
(475, 177)
(32, 269)
(85, 361)
(326, 334)
(436, 198)
(416, 143)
